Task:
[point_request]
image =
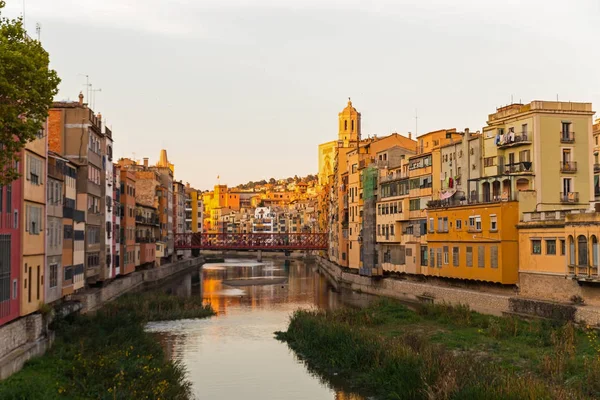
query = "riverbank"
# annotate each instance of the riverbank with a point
(108, 355)
(483, 301)
(446, 352)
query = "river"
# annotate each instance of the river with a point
(235, 355)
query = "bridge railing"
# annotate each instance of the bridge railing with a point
(251, 241)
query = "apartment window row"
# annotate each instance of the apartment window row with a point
(93, 234)
(93, 204)
(389, 208)
(385, 230)
(94, 174)
(548, 246)
(421, 182)
(94, 144)
(33, 219)
(55, 232)
(35, 170)
(420, 163)
(93, 259)
(441, 256)
(55, 190)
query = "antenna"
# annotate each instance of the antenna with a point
(511, 99)
(87, 86)
(416, 123)
(24, 13)
(38, 30)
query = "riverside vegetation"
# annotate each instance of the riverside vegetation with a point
(442, 352)
(108, 355)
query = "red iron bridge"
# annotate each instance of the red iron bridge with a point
(251, 241)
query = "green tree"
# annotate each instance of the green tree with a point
(27, 88)
(272, 181)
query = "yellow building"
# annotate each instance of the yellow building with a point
(220, 198)
(33, 215)
(596, 159)
(543, 146)
(474, 241)
(559, 255)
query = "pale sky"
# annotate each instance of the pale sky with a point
(248, 89)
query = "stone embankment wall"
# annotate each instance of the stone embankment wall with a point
(20, 341)
(488, 303)
(27, 337)
(94, 298)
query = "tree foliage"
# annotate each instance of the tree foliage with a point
(27, 88)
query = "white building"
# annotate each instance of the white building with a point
(263, 221)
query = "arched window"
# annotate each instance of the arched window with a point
(582, 251)
(345, 125)
(571, 251)
(594, 240)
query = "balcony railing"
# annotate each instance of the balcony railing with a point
(570, 197)
(151, 220)
(145, 240)
(393, 177)
(514, 140)
(596, 167)
(567, 137)
(516, 168)
(568, 166)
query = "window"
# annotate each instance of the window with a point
(431, 225)
(93, 234)
(439, 258)
(471, 223)
(53, 275)
(33, 216)
(536, 246)
(35, 171)
(469, 256)
(455, 256)
(494, 256)
(445, 224)
(478, 222)
(489, 161)
(594, 241)
(378, 230)
(458, 224)
(551, 247)
(493, 223)
(93, 204)
(562, 247)
(392, 230)
(5, 254)
(481, 256)
(446, 255)
(431, 257)
(440, 225)
(423, 255)
(415, 204)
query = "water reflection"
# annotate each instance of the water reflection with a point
(234, 355)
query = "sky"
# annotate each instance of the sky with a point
(246, 90)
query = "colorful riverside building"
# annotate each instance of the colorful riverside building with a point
(55, 198)
(217, 203)
(75, 133)
(127, 221)
(33, 222)
(11, 201)
(596, 158)
(473, 236)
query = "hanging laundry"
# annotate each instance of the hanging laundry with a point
(450, 183)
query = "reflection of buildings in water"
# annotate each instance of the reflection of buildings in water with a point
(171, 343)
(347, 396)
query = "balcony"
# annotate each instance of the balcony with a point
(567, 137)
(517, 139)
(584, 272)
(570, 197)
(568, 167)
(596, 167)
(523, 168)
(147, 220)
(145, 240)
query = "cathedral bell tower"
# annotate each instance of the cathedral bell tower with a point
(349, 125)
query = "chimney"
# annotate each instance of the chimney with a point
(467, 134)
(410, 135)
(187, 185)
(99, 116)
(80, 98)
(145, 162)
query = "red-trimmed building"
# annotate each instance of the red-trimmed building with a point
(10, 249)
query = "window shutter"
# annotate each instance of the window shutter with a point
(494, 257)
(481, 257)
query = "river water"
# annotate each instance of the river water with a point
(235, 355)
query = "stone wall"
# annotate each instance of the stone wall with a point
(484, 302)
(95, 298)
(21, 340)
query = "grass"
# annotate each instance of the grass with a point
(444, 352)
(108, 355)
